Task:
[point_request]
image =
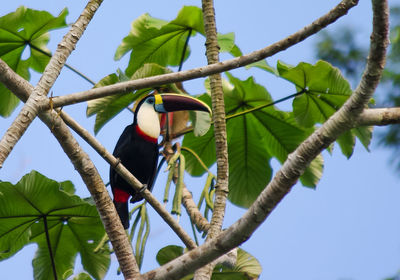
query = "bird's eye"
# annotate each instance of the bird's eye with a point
(150, 100)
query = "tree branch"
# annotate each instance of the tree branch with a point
(295, 164)
(31, 108)
(82, 163)
(221, 145)
(191, 208)
(135, 183)
(102, 151)
(340, 10)
(379, 116)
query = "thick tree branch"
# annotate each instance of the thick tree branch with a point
(340, 10)
(31, 108)
(296, 163)
(82, 163)
(379, 116)
(221, 145)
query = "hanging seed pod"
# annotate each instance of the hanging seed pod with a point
(168, 184)
(177, 202)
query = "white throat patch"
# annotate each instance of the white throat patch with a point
(148, 121)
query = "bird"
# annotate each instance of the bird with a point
(137, 147)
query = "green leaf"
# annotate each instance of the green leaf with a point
(226, 42)
(18, 30)
(36, 205)
(255, 137)
(204, 147)
(154, 41)
(263, 64)
(346, 143)
(201, 122)
(249, 168)
(256, 132)
(82, 276)
(107, 107)
(168, 253)
(247, 264)
(192, 17)
(313, 172)
(326, 90)
(364, 134)
(8, 101)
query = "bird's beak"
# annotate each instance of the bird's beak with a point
(169, 102)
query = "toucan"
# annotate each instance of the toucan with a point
(137, 147)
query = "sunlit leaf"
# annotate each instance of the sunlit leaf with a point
(326, 90)
(262, 64)
(154, 41)
(201, 122)
(248, 264)
(313, 172)
(226, 42)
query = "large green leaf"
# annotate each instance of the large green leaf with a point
(155, 41)
(249, 168)
(18, 30)
(37, 206)
(256, 133)
(254, 137)
(326, 90)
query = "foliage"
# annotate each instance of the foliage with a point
(19, 30)
(340, 48)
(42, 211)
(64, 225)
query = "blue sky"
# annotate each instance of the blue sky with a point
(348, 228)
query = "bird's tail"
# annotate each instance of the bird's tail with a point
(122, 210)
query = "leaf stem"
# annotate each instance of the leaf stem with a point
(66, 65)
(53, 264)
(197, 157)
(266, 105)
(184, 49)
(190, 128)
